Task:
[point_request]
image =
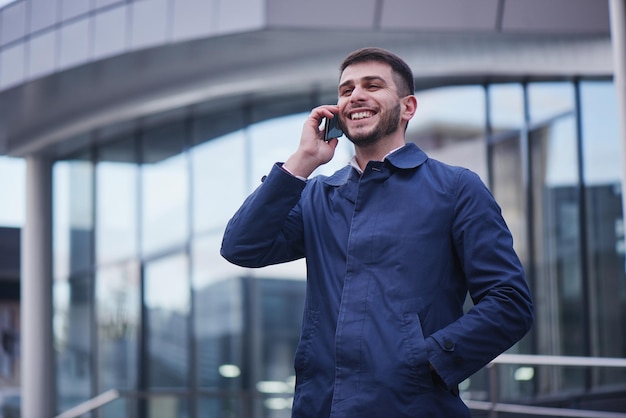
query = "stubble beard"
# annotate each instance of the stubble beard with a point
(387, 125)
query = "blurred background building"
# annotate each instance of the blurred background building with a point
(131, 130)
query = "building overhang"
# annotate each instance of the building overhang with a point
(38, 116)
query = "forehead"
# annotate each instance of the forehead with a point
(366, 70)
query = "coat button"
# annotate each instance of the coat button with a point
(448, 344)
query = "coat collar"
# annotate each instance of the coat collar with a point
(408, 157)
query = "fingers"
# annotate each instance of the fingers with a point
(321, 112)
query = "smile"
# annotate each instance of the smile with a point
(361, 115)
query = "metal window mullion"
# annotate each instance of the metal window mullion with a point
(584, 235)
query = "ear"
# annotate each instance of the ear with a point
(409, 106)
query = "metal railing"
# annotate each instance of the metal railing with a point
(92, 404)
(494, 406)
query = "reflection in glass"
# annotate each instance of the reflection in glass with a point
(219, 309)
(507, 181)
(506, 107)
(450, 126)
(605, 223)
(72, 216)
(549, 100)
(72, 340)
(219, 185)
(116, 201)
(117, 319)
(557, 246)
(165, 188)
(280, 308)
(167, 316)
(508, 188)
(13, 192)
(276, 139)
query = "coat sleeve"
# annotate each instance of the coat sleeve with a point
(503, 310)
(267, 228)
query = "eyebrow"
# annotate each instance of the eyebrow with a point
(366, 78)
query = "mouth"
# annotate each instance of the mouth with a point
(360, 115)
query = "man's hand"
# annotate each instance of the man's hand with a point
(313, 151)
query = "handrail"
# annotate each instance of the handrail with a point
(494, 406)
(541, 360)
(541, 410)
(91, 404)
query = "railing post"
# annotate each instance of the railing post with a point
(494, 389)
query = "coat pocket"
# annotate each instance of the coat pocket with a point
(416, 353)
(310, 327)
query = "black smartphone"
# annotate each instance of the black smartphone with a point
(332, 129)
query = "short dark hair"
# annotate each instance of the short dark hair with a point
(403, 76)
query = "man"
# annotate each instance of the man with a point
(393, 243)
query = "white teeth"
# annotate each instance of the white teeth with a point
(360, 115)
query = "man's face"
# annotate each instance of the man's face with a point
(369, 106)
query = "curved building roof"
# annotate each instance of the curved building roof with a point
(67, 68)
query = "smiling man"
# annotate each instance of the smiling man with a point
(394, 242)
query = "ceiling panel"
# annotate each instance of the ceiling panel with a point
(344, 14)
(557, 16)
(441, 14)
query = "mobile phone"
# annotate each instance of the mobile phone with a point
(332, 129)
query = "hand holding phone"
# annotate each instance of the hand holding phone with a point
(332, 129)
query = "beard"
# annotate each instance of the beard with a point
(388, 124)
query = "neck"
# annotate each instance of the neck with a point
(376, 152)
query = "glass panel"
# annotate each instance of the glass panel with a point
(72, 341)
(6, 2)
(167, 299)
(109, 32)
(276, 139)
(13, 23)
(602, 177)
(149, 25)
(73, 8)
(450, 126)
(13, 192)
(101, 3)
(218, 326)
(506, 107)
(72, 216)
(507, 185)
(116, 201)
(549, 100)
(117, 319)
(12, 64)
(42, 54)
(74, 43)
(280, 304)
(216, 200)
(43, 13)
(557, 237)
(558, 271)
(165, 186)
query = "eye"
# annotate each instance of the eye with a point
(346, 92)
(373, 87)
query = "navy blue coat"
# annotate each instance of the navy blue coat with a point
(391, 255)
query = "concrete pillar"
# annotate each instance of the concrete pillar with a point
(37, 357)
(618, 40)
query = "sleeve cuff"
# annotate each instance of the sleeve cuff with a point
(282, 166)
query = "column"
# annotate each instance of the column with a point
(618, 40)
(37, 362)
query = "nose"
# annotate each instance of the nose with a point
(358, 94)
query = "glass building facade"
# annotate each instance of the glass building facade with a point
(161, 116)
(144, 302)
